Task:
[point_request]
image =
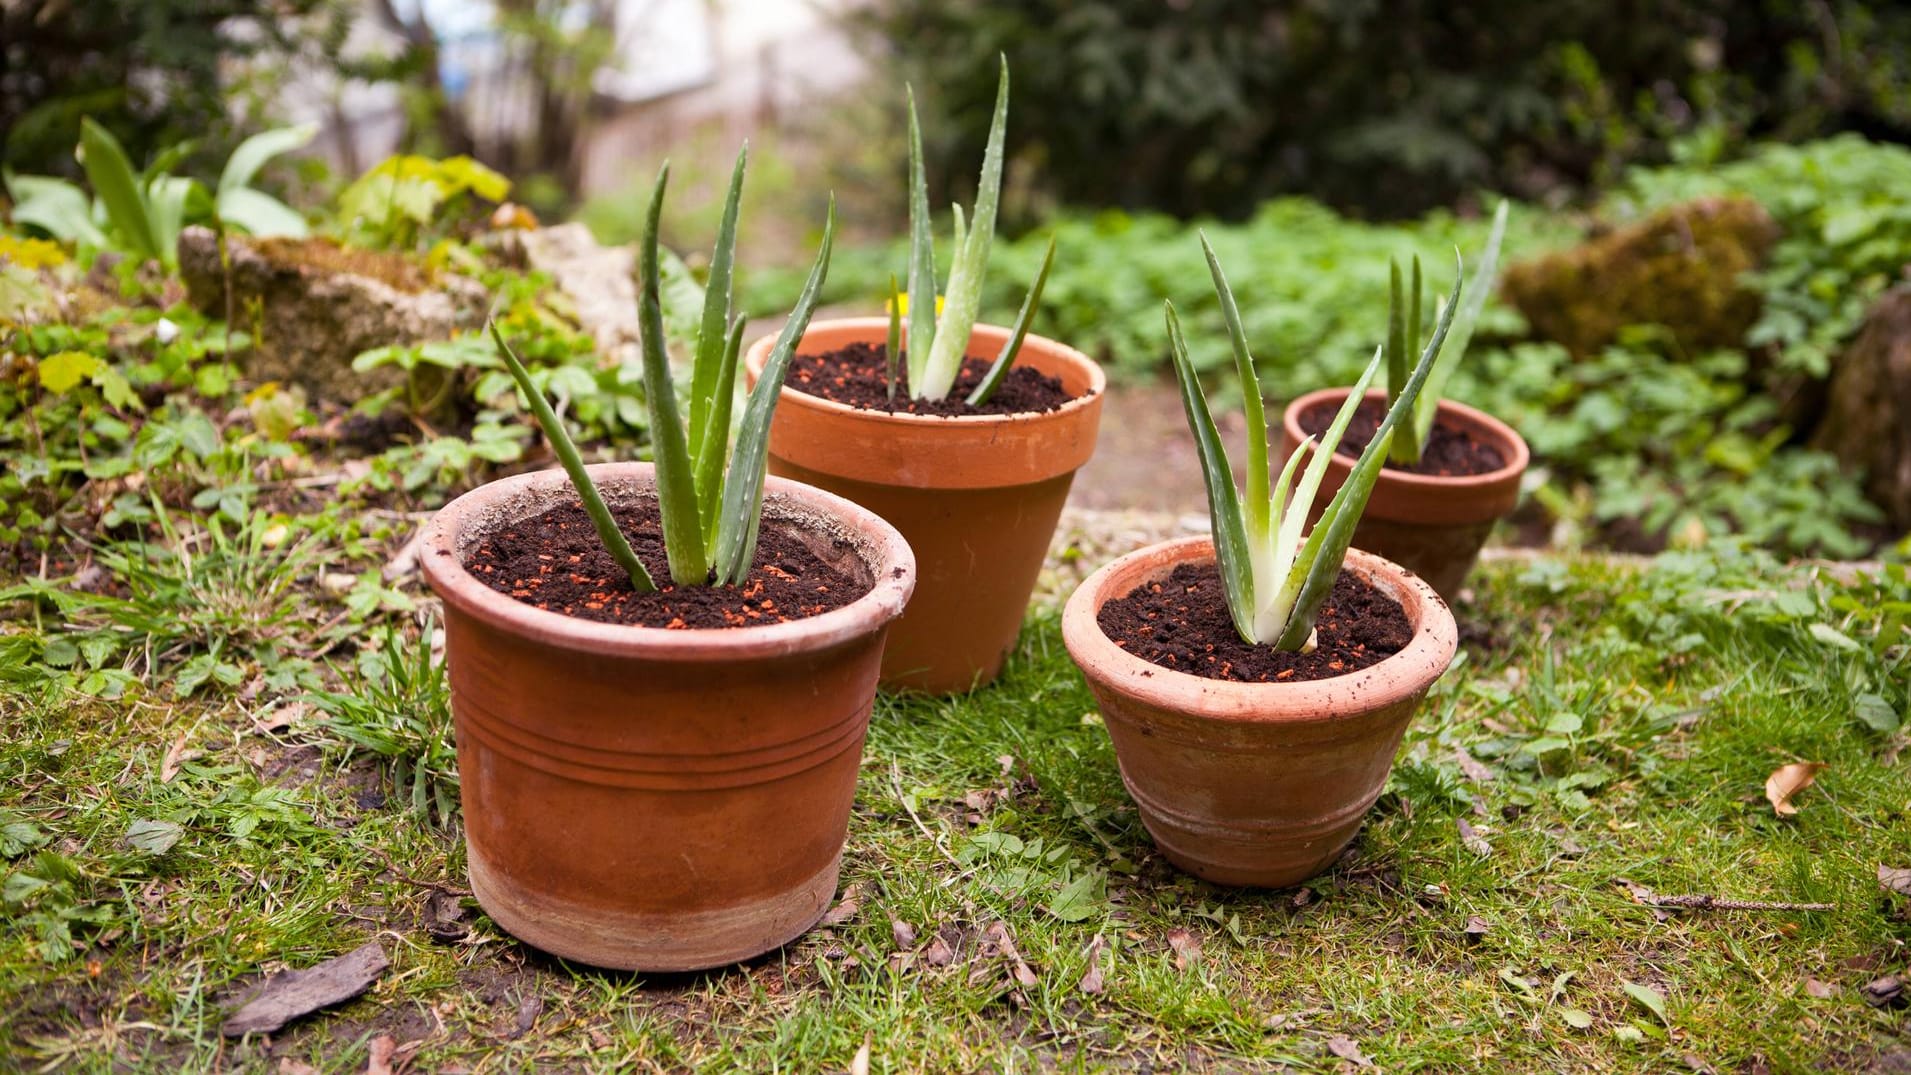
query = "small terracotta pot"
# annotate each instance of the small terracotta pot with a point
(650, 799)
(1257, 784)
(976, 497)
(1432, 526)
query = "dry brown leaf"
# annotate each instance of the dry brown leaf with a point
(1476, 928)
(379, 1062)
(1895, 879)
(845, 910)
(996, 941)
(1787, 781)
(938, 954)
(175, 755)
(859, 1064)
(1186, 946)
(902, 933)
(1821, 990)
(1472, 767)
(1474, 842)
(1349, 1050)
(1886, 992)
(1092, 978)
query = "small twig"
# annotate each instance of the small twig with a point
(1720, 903)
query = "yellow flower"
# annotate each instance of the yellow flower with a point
(901, 304)
(30, 253)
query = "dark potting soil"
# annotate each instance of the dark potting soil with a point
(1182, 623)
(556, 562)
(855, 376)
(1451, 452)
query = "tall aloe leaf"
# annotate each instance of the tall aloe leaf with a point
(1397, 368)
(992, 380)
(118, 188)
(892, 344)
(714, 332)
(922, 256)
(1259, 500)
(1224, 505)
(560, 440)
(743, 490)
(1320, 560)
(1406, 450)
(714, 448)
(1485, 282)
(676, 481)
(963, 297)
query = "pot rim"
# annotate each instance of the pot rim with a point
(759, 352)
(888, 557)
(1401, 676)
(1518, 458)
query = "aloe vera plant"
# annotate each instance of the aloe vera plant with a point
(710, 511)
(939, 340)
(1402, 340)
(1274, 577)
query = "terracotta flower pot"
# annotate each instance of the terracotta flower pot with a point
(1432, 526)
(1253, 783)
(651, 799)
(977, 498)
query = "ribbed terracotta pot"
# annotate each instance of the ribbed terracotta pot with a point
(651, 799)
(1432, 526)
(977, 498)
(1260, 784)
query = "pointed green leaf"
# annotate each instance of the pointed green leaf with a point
(922, 255)
(963, 297)
(743, 490)
(1485, 283)
(676, 482)
(1259, 499)
(1396, 333)
(1224, 505)
(713, 334)
(253, 153)
(117, 187)
(714, 450)
(55, 206)
(992, 380)
(560, 441)
(1405, 451)
(259, 214)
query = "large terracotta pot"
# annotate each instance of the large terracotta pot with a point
(1253, 783)
(650, 799)
(977, 498)
(1432, 526)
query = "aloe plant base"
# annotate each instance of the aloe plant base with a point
(1254, 784)
(652, 799)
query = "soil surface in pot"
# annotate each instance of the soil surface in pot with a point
(855, 376)
(555, 561)
(1182, 623)
(1451, 452)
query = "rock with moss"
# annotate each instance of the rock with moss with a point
(1867, 420)
(1681, 268)
(314, 305)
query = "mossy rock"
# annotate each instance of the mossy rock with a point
(1867, 421)
(315, 305)
(1680, 268)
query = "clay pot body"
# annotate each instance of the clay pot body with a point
(1260, 784)
(977, 498)
(1432, 526)
(650, 799)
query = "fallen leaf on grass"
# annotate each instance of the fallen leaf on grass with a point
(938, 954)
(379, 1062)
(444, 916)
(1091, 982)
(153, 837)
(1886, 992)
(997, 942)
(843, 911)
(1476, 929)
(1474, 842)
(1895, 879)
(859, 1064)
(1648, 998)
(176, 755)
(1821, 990)
(1575, 1018)
(1186, 947)
(1474, 769)
(1349, 1050)
(529, 1009)
(1787, 781)
(288, 995)
(902, 933)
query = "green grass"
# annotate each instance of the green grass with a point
(1628, 719)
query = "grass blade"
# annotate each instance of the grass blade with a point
(992, 380)
(713, 332)
(922, 255)
(892, 344)
(714, 449)
(1485, 282)
(560, 441)
(743, 490)
(1259, 500)
(963, 297)
(676, 482)
(1224, 505)
(117, 186)
(1320, 560)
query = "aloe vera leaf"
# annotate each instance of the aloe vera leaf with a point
(1320, 561)
(560, 441)
(922, 256)
(113, 179)
(1396, 333)
(714, 331)
(1485, 282)
(676, 481)
(1224, 506)
(963, 297)
(1259, 502)
(714, 451)
(892, 344)
(743, 490)
(992, 380)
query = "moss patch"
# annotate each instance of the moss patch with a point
(390, 269)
